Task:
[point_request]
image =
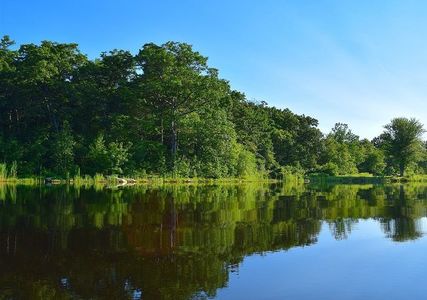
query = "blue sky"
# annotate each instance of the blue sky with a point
(359, 62)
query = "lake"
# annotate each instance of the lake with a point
(249, 241)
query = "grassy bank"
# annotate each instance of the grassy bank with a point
(99, 179)
(115, 180)
(364, 178)
(9, 175)
(409, 178)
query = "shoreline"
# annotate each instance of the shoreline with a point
(127, 181)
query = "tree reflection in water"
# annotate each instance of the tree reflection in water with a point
(175, 242)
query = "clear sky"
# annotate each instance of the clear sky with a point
(360, 62)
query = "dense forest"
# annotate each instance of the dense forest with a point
(165, 112)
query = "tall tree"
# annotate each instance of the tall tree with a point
(175, 82)
(342, 134)
(402, 140)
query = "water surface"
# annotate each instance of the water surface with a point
(220, 242)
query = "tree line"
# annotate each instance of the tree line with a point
(164, 111)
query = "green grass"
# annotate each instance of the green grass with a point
(199, 180)
(3, 172)
(8, 175)
(409, 178)
(362, 178)
(115, 180)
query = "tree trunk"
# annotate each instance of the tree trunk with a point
(161, 130)
(402, 169)
(174, 142)
(401, 194)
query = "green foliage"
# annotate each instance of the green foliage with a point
(98, 160)
(107, 159)
(63, 150)
(182, 168)
(296, 139)
(119, 155)
(3, 172)
(342, 134)
(329, 168)
(292, 174)
(246, 164)
(165, 112)
(7, 174)
(341, 155)
(148, 156)
(373, 160)
(402, 142)
(208, 140)
(13, 171)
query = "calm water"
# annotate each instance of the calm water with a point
(222, 242)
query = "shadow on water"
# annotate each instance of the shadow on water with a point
(175, 242)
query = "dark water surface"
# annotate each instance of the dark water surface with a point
(222, 242)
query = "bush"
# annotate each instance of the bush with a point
(292, 172)
(182, 168)
(246, 164)
(329, 168)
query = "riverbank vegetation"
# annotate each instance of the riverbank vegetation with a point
(164, 112)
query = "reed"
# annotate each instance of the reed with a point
(3, 172)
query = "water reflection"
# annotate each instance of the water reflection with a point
(175, 242)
